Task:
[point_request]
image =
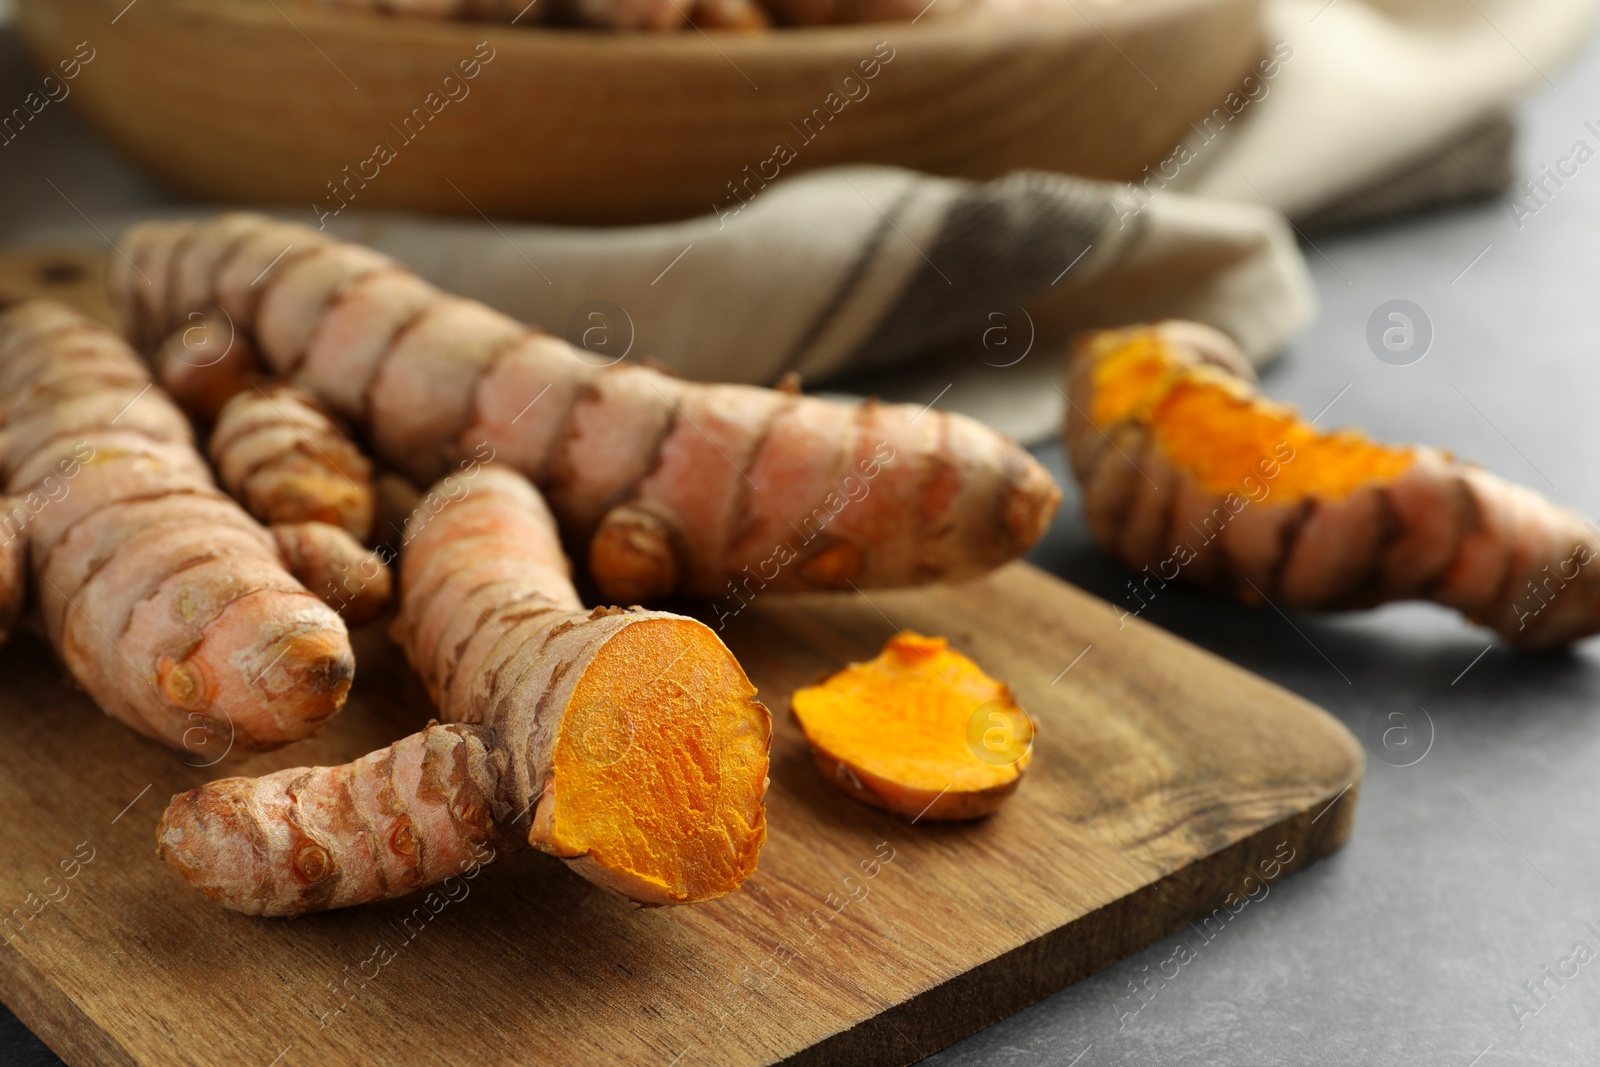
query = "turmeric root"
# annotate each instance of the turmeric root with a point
(745, 15)
(13, 566)
(628, 743)
(337, 568)
(279, 454)
(675, 487)
(1187, 471)
(167, 603)
(205, 363)
(920, 730)
(286, 461)
(274, 448)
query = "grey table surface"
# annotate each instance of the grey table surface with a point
(1470, 870)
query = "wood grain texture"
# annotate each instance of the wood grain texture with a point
(72, 274)
(1163, 776)
(230, 100)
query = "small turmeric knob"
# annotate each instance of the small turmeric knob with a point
(631, 556)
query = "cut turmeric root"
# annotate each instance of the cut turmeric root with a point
(1188, 472)
(628, 743)
(168, 604)
(920, 730)
(675, 487)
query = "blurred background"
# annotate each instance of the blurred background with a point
(925, 207)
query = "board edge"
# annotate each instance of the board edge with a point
(978, 998)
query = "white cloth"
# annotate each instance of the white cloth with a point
(1376, 84)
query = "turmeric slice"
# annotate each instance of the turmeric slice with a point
(628, 743)
(1189, 473)
(920, 730)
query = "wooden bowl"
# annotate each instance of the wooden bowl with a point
(250, 101)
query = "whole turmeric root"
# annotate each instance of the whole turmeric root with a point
(675, 487)
(205, 363)
(1187, 471)
(280, 455)
(168, 604)
(286, 461)
(628, 743)
(274, 448)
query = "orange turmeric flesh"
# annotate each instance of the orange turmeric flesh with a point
(920, 730)
(628, 743)
(660, 766)
(1218, 428)
(1190, 474)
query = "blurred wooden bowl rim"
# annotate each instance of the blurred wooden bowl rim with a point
(263, 100)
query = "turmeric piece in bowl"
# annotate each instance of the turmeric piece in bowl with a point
(920, 730)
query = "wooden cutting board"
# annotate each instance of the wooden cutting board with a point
(1163, 779)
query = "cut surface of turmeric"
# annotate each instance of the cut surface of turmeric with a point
(627, 743)
(660, 695)
(1220, 428)
(920, 730)
(1189, 473)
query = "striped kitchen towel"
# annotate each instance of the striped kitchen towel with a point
(840, 273)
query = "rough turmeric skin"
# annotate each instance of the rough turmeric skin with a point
(13, 565)
(337, 568)
(1187, 471)
(920, 730)
(203, 364)
(273, 446)
(283, 458)
(167, 603)
(628, 743)
(675, 487)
